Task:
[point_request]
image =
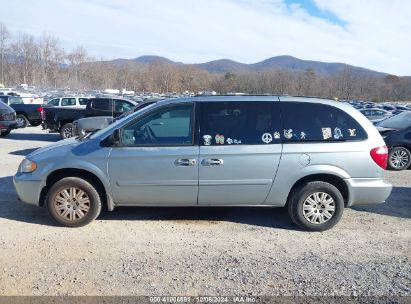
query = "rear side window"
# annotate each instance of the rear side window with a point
(66, 102)
(240, 123)
(101, 104)
(318, 122)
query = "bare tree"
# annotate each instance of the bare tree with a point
(4, 36)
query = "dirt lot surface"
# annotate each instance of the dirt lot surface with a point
(207, 251)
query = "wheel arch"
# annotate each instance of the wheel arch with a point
(332, 179)
(87, 175)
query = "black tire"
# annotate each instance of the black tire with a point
(66, 131)
(53, 202)
(22, 121)
(35, 124)
(302, 193)
(4, 133)
(399, 159)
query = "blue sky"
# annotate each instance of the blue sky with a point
(313, 10)
(373, 34)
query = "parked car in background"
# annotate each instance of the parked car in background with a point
(83, 126)
(195, 151)
(77, 102)
(396, 132)
(25, 113)
(375, 115)
(7, 119)
(60, 119)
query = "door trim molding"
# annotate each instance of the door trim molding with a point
(234, 182)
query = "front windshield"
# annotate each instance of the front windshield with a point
(113, 126)
(399, 122)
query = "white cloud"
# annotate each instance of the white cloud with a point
(376, 34)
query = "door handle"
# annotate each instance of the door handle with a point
(212, 162)
(185, 162)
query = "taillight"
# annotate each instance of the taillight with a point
(380, 156)
(43, 114)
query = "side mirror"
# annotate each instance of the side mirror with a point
(116, 136)
(113, 139)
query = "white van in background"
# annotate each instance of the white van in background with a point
(73, 102)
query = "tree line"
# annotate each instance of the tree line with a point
(42, 62)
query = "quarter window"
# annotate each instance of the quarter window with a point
(121, 106)
(240, 123)
(83, 101)
(317, 122)
(54, 102)
(169, 125)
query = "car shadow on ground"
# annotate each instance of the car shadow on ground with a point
(255, 216)
(398, 204)
(51, 137)
(12, 209)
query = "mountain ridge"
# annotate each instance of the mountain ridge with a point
(282, 62)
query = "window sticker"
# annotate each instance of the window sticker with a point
(327, 134)
(303, 135)
(267, 138)
(353, 132)
(230, 141)
(288, 133)
(207, 140)
(277, 135)
(337, 133)
(219, 139)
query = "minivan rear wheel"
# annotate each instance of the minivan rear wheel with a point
(399, 158)
(316, 206)
(73, 202)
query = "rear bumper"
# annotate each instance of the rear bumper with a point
(28, 190)
(8, 125)
(364, 191)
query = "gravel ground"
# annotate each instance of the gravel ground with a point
(204, 251)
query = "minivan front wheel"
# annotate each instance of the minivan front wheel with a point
(399, 158)
(316, 206)
(73, 202)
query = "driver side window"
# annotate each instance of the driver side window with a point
(169, 125)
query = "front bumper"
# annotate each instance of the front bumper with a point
(364, 191)
(28, 190)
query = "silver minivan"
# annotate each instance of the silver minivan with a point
(314, 156)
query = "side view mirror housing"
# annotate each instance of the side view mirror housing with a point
(113, 140)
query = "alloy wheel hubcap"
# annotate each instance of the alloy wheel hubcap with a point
(20, 122)
(318, 208)
(72, 204)
(399, 159)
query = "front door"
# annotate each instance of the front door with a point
(157, 160)
(240, 151)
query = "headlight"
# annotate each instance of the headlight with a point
(27, 166)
